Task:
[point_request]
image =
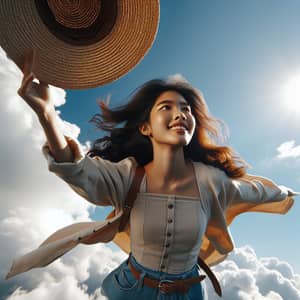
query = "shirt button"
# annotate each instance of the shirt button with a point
(170, 206)
(165, 255)
(167, 245)
(169, 234)
(170, 221)
(163, 266)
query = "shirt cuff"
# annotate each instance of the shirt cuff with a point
(65, 168)
(288, 191)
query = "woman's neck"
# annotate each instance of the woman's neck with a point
(168, 165)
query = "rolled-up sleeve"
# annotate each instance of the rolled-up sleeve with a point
(99, 181)
(252, 191)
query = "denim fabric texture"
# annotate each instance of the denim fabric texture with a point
(121, 285)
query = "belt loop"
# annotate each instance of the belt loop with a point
(141, 280)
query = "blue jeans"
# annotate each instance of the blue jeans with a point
(121, 285)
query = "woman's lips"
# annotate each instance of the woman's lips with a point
(179, 129)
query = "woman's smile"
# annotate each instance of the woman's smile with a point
(179, 127)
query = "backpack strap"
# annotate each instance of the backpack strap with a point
(211, 276)
(131, 196)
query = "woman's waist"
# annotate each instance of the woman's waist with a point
(165, 265)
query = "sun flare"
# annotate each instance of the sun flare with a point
(292, 94)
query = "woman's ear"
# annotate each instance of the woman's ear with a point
(145, 129)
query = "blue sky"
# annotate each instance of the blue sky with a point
(241, 54)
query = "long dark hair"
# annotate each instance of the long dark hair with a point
(126, 140)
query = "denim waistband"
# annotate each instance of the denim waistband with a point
(160, 274)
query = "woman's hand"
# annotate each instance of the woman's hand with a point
(36, 95)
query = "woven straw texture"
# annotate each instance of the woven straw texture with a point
(79, 66)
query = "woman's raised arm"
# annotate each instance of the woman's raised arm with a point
(36, 95)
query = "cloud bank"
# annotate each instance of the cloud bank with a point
(244, 276)
(35, 203)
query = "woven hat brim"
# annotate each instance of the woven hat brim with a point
(78, 67)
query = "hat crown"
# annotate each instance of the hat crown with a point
(78, 22)
(75, 13)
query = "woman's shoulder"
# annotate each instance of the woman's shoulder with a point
(210, 172)
(130, 161)
(126, 165)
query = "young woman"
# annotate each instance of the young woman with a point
(191, 190)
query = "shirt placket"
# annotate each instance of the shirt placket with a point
(169, 233)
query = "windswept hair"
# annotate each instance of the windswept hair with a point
(125, 139)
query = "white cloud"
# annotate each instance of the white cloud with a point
(288, 150)
(287, 157)
(78, 275)
(244, 276)
(68, 288)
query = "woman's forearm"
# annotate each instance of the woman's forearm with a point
(56, 140)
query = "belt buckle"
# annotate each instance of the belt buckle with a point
(161, 286)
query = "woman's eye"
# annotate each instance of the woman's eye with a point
(165, 107)
(186, 108)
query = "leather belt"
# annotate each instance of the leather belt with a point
(167, 286)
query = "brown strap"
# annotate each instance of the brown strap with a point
(167, 286)
(131, 196)
(211, 276)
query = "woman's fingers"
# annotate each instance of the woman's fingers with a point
(29, 60)
(25, 82)
(30, 90)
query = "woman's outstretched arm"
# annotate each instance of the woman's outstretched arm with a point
(36, 95)
(99, 181)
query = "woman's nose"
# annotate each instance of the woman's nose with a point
(180, 115)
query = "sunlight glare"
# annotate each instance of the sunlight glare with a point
(292, 94)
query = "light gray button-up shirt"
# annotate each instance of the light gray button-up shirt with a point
(167, 232)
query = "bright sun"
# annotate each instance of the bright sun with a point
(292, 94)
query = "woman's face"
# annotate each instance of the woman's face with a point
(171, 121)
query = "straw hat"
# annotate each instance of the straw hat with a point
(79, 43)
